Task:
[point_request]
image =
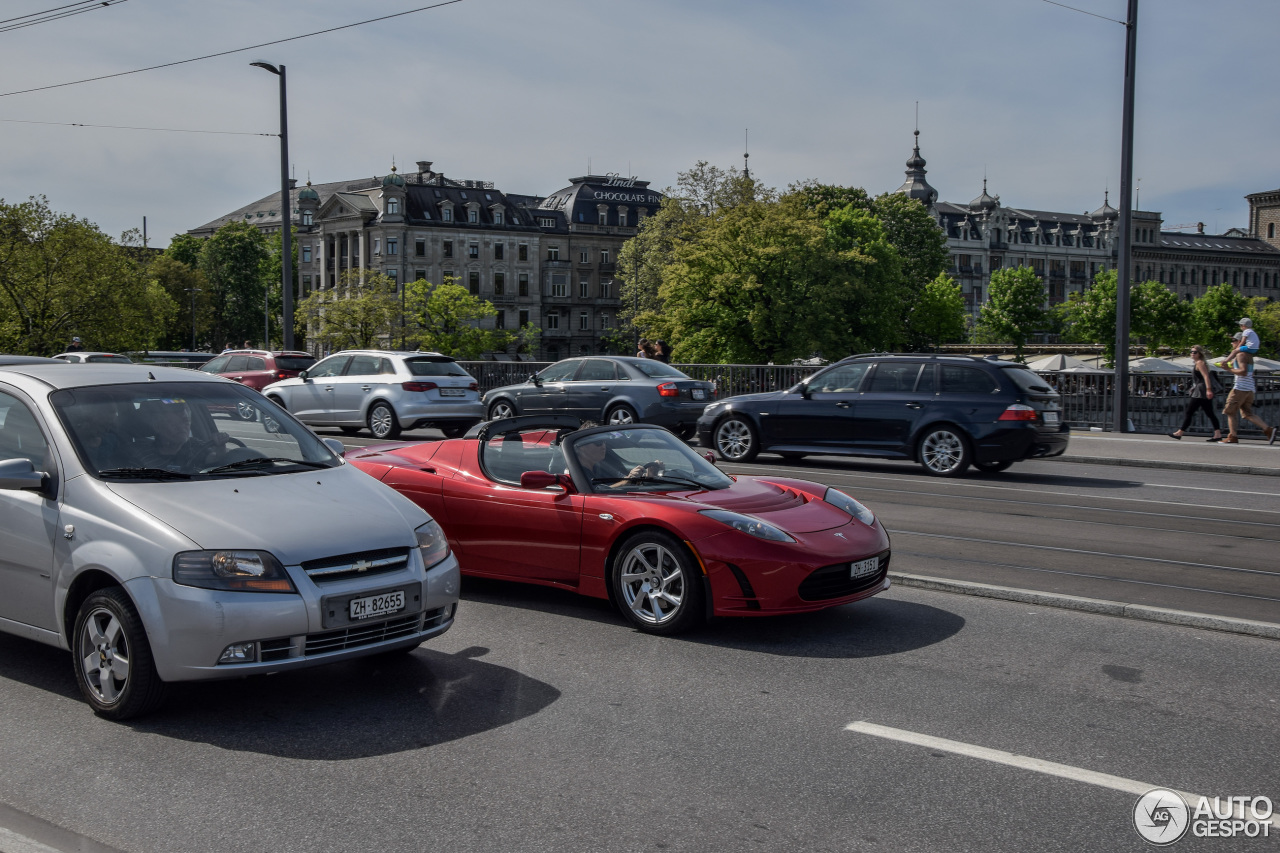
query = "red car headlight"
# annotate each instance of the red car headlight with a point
(748, 525)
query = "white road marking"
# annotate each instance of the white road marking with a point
(12, 842)
(1049, 768)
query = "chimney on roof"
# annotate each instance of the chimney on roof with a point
(293, 183)
(1199, 227)
(424, 166)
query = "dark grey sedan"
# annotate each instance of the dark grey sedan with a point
(607, 389)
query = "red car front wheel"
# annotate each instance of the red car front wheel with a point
(657, 583)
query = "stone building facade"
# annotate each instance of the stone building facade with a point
(1066, 250)
(546, 261)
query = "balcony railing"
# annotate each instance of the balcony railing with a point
(607, 268)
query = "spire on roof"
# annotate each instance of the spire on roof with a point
(916, 185)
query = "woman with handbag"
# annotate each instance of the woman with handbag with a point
(1202, 383)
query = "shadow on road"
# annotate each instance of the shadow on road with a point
(1011, 477)
(357, 709)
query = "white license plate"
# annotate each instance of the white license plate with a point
(453, 392)
(1051, 417)
(377, 605)
(699, 393)
(862, 568)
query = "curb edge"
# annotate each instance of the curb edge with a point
(1203, 467)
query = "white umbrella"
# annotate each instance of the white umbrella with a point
(1056, 362)
(1156, 365)
(1189, 363)
(1266, 365)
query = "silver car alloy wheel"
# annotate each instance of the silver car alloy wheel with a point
(247, 411)
(942, 451)
(621, 416)
(381, 420)
(733, 439)
(653, 583)
(104, 651)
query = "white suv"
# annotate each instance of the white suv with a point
(384, 391)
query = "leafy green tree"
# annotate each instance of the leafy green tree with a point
(1157, 316)
(865, 290)
(61, 276)
(448, 319)
(190, 293)
(271, 274)
(1265, 314)
(938, 316)
(232, 262)
(915, 235)
(362, 312)
(1015, 306)
(186, 249)
(1214, 318)
(1091, 316)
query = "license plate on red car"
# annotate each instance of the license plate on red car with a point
(377, 605)
(862, 568)
(453, 392)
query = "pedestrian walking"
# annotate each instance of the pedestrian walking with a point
(1201, 396)
(642, 348)
(1247, 343)
(663, 352)
(1240, 403)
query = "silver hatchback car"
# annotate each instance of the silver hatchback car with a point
(384, 391)
(160, 538)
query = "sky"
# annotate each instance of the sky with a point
(530, 93)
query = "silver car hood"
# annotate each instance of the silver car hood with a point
(297, 517)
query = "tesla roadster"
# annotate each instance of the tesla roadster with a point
(632, 514)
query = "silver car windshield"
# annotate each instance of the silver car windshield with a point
(628, 460)
(181, 430)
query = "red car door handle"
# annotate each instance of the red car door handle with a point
(238, 378)
(427, 469)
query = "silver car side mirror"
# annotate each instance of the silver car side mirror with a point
(17, 474)
(334, 445)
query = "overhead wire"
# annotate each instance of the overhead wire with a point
(1086, 12)
(10, 24)
(229, 52)
(130, 127)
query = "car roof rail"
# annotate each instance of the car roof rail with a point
(483, 430)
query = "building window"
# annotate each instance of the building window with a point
(602, 218)
(393, 246)
(393, 205)
(622, 217)
(306, 284)
(522, 252)
(524, 318)
(420, 248)
(499, 283)
(473, 282)
(377, 245)
(446, 213)
(604, 322)
(584, 321)
(447, 250)
(306, 254)
(606, 288)
(584, 289)
(524, 284)
(553, 320)
(498, 251)
(559, 284)
(497, 217)
(604, 256)
(584, 257)
(473, 215)
(546, 222)
(419, 275)
(553, 253)
(1271, 230)
(473, 250)
(309, 219)
(392, 274)
(500, 319)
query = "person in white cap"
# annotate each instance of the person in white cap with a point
(1247, 346)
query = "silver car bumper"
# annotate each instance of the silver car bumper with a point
(460, 411)
(189, 627)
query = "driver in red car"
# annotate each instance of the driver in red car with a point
(604, 467)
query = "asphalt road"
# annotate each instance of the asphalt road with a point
(541, 722)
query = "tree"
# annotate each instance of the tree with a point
(360, 313)
(1158, 316)
(232, 262)
(865, 290)
(447, 319)
(178, 281)
(938, 316)
(1265, 314)
(1214, 318)
(61, 276)
(186, 249)
(271, 274)
(1014, 308)
(1091, 316)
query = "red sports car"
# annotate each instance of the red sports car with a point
(634, 515)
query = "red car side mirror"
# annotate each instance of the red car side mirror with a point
(537, 480)
(710, 457)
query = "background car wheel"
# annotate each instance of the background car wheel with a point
(620, 415)
(944, 451)
(112, 658)
(735, 439)
(657, 583)
(247, 411)
(382, 422)
(501, 409)
(993, 467)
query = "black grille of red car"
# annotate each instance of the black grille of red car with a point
(834, 581)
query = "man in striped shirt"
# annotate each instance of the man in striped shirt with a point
(1240, 402)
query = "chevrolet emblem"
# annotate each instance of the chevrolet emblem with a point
(362, 565)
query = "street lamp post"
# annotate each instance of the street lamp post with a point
(1120, 393)
(286, 237)
(193, 291)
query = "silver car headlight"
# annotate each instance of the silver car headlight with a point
(236, 571)
(840, 500)
(748, 525)
(432, 543)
